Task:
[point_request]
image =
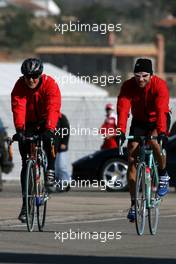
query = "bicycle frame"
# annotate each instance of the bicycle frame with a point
(146, 156)
(37, 156)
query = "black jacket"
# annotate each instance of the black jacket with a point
(63, 127)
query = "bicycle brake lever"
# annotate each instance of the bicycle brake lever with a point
(120, 148)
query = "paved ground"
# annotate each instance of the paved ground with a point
(109, 237)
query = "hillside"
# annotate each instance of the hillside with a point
(73, 5)
(21, 32)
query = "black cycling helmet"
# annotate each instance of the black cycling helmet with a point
(32, 66)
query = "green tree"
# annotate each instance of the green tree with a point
(18, 30)
(97, 13)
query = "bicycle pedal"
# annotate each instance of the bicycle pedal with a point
(132, 221)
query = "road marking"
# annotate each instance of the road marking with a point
(168, 216)
(71, 222)
(91, 221)
(83, 221)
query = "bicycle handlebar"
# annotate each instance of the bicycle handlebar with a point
(26, 138)
(142, 140)
(30, 139)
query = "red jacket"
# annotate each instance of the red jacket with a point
(36, 105)
(109, 128)
(150, 104)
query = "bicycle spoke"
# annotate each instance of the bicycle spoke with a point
(140, 202)
(153, 210)
(30, 196)
(42, 201)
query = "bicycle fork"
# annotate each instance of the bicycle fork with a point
(151, 183)
(148, 185)
(40, 199)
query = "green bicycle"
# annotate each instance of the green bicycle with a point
(147, 181)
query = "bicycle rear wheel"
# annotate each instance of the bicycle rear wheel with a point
(153, 210)
(140, 201)
(30, 196)
(41, 200)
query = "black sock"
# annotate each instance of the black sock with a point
(162, 172)
(132, 202)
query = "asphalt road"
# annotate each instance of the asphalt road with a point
(85, 226)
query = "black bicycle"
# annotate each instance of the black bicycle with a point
(36, 195)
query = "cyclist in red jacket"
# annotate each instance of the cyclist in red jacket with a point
(148, 98)
(36, 103)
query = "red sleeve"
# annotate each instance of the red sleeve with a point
(123, 107)
(162, 106)
(53, 103)
(18, 104)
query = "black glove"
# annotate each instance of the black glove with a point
(48, 134)
(162, 137)
(120, 138)
(19, 136)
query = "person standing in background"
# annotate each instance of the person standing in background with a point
(63, 178)
(109, 128)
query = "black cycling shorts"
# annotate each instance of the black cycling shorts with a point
(140, 128)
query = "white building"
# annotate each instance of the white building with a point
(38, 7)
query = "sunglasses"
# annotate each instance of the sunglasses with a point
(33, 76)
(137, 75)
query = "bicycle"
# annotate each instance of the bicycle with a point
(147, 181)
(36, 195)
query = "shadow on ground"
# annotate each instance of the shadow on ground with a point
(67, 259)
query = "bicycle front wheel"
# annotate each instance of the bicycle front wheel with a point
(153, 210)
(30, 195)
(140, 201)
(41, 201)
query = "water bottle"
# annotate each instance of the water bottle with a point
(147, 175)
(37, 173)
(154, 183)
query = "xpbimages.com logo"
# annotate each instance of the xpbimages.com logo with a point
(103, 28)
(102, 80)
(87, 131)
(95, 184)
(102, 236)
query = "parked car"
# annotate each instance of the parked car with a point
(5, 164)
(109, 166)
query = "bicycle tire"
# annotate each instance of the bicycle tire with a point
(140, 200)
(153, 210)
(41, 208)
(30, 196)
